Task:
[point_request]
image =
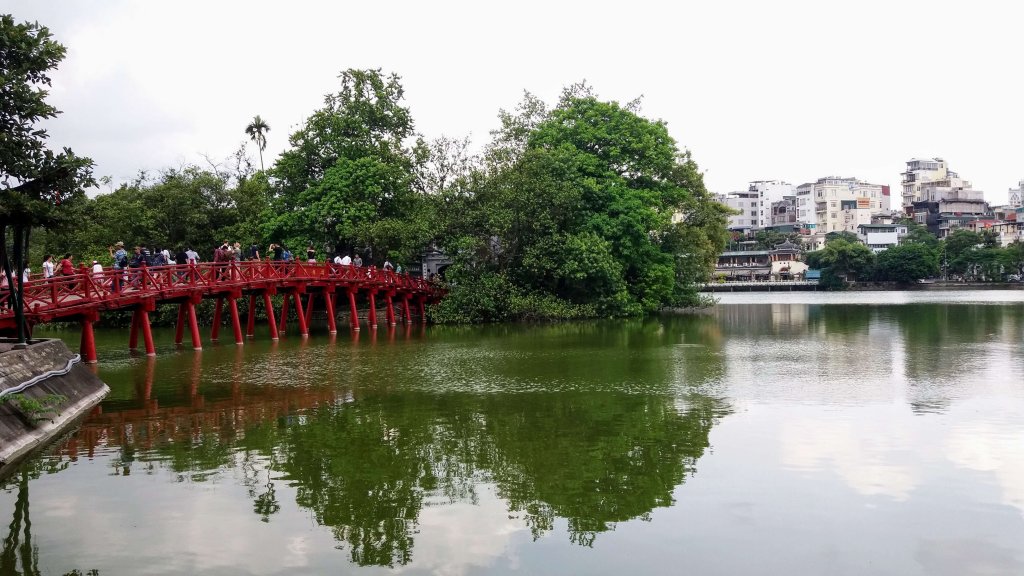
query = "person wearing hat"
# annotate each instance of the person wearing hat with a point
(120, 256)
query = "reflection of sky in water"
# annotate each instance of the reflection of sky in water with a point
(849, 439)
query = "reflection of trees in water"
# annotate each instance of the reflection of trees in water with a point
(945, 343)
(610, 447)
(20, 556)
(594, 459)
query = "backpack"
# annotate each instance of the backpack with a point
(122, 261)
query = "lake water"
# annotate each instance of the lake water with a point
(781, 433)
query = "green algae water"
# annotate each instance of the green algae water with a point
(795, 433)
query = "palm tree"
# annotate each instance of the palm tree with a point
(257, 131)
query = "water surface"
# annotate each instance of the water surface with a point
(782, 433)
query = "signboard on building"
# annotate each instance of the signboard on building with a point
(863, 202)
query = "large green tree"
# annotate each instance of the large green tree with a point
(842, 261)
(347, 180)
(34, 181)
(907, 263)
(590, 205)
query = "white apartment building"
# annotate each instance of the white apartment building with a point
(921, 171)
(769, 191)
(755, 204)
(748, 206)
(806, 210)
(843, 204)
(880, 237)
(1017, 195)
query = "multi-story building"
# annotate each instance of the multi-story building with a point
(943, 206)
(784, 212)
(754, 204)
(1017, 195)
(805, 207)
(880, 237)
(919, 172)
(769, 191)
(843, 204)
(748, 206)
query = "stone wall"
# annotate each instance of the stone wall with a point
(21, 433)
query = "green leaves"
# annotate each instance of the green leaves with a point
(592, 205)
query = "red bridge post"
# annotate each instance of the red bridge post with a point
(193, 324)
(179, 328)
(302, 316)
(283, 324)
(329, 302)
(147, 333)
(270, 315)
(352, 308)
(309, 309)
(250, 322)
(88, 345)
(218, 311)
(236, 324)
(372, 293)
(391, 308)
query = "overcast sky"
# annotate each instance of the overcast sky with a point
(756, 90)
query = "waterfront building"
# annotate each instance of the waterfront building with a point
(754, 204)
(843, 204)
(880, 237)
(750, 263)
(920, 171)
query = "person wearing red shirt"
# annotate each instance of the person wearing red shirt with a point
(67, 268)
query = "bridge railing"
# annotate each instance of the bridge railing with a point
(132, 284)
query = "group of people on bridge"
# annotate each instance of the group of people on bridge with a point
(143, 256)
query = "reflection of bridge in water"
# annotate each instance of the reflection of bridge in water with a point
(82, 296)
(144, 422)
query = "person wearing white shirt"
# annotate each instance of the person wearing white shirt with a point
(25, 274)
(346, 261)
(48, 266)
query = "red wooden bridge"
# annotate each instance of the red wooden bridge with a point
(83, 296)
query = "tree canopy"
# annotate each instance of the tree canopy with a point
(34, 180)
(589, 208)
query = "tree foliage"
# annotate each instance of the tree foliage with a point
(34, 181)
(907, 263)
(588, 204)
(842, 261)
(347, 180)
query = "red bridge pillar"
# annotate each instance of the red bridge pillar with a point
(352, 307)
(303, 317)
(236, 324)
(250, 322)
(218, 310)
(329, 302)
(88, 345)
(193, 324)
(140, 321)
(270, 315)
(372, 293)
(391, 308)
(284, 315)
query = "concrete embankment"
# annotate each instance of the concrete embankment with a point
(22, 431)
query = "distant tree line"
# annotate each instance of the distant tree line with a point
(963, 255)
